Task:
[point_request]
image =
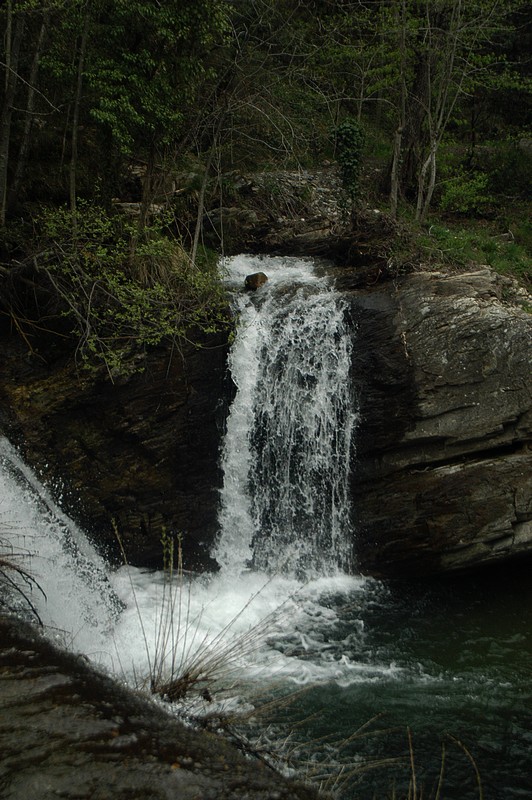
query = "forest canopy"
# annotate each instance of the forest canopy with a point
(90, 87)
(117, 101)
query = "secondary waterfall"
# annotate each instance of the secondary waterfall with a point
(287, 455)
(69, 586)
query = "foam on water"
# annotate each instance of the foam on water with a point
(270, 628)
(280, 271)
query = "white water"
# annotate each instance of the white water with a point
(285, 501)
(75, 599)
(284, 519)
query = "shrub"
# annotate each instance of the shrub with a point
(349, 149)
(120, 291)
(466, 193)
(466, 246)
(509, 166)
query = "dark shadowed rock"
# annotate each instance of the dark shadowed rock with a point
(69, 731)
(140, 454)
(443, 370)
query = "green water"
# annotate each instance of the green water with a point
(460, 652)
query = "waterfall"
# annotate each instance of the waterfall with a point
(285, 501)
(285, 529)
(69, 581)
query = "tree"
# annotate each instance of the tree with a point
(399, 13)
(146, 71)
(32, 93)
(15, 22)
(130, 83)
(443, 50)
(81, 55)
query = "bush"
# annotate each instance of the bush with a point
(509, 166)
(466, 193)
(349, 149)
(121, 291)
(476, 245)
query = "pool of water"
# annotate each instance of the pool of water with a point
(460, 675)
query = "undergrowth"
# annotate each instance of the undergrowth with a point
(111, 289)
(508, 252)
(447, 242)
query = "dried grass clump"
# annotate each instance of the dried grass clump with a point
(16, 580)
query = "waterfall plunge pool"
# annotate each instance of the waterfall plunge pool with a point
(447, 660)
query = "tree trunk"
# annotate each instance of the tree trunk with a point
(398, 138)
(426, 183)
(147, 197)
(30, 105)
(12, 48)
(201, 205)
(394, 175)
(201, 199)
(75, 121)
(9, 33)
(432, 183)
(147, 191)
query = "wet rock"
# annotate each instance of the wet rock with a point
(444, 458)
(139, 455)
(67, 730)
(255, 281)
(287, 212)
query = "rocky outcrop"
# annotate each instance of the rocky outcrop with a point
(282, 212)
(302, 213)
(67, 730)
(441, 366)
(139, 454)
(442, 475)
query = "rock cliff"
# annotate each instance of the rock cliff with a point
(442, 478)
(139, 454)
(442, 474)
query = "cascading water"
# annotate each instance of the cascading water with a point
(69, 583)
(285, 502)
(438, 657)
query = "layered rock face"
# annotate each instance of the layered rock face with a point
(139, 455)
(442, 477)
